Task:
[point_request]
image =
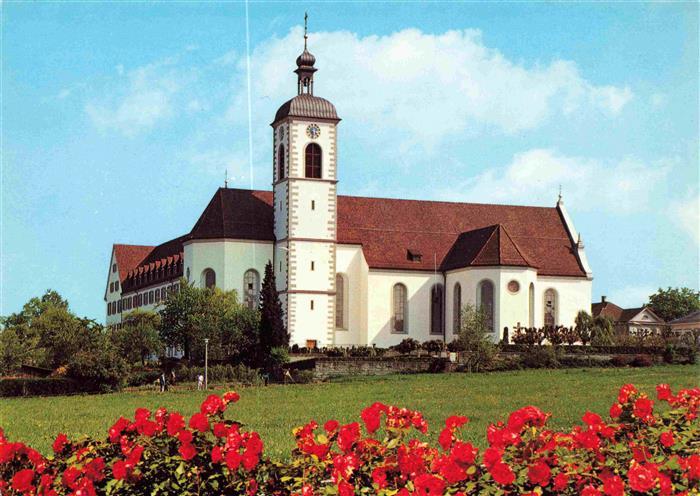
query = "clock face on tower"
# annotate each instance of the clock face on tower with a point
(313, 131)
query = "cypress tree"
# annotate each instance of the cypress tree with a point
(273, 333)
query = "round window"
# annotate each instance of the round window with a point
(513, 286)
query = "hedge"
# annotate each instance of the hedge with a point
(41, 387)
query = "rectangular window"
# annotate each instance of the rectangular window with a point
(312, 304)
(313, 204)
(313, 265)
(158, 295)
(114, 267)
(311, 344)
(151, 295)
(116, 285)
(111, 287)
(109, 309)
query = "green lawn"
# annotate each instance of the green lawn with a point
(275, 410)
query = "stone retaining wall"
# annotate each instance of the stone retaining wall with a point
(326, 368)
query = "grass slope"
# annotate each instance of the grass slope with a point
(273, 411)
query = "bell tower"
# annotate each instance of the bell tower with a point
(305, 208)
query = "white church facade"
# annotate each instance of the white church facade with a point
(355, 270)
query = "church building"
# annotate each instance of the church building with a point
(355, 270)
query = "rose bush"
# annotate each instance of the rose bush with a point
(646, 446)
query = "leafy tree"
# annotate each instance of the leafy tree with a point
(273, 333)
(584, 326)
(138, 339)
(673, 303)
(603, 331)
(35, 307)
(195, 314)
(474, 336)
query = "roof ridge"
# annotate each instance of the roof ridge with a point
(493, 228)
(515, 245)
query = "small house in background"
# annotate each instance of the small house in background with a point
(688, 325)
(629, 320)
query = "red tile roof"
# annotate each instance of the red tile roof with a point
(129, 257)
(451, 234)
(618, 314)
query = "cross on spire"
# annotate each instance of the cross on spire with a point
(306, 21)
(226, 178)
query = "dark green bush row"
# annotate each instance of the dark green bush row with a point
(42, 387)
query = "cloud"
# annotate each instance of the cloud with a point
(684, 213)
(424, 87)
(140, 102)
(622, 186)
(631, 296)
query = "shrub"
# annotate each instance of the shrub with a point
(407, 345)
(642, 448)
(142, 378)
(49, 386)
(433, 346)
(541, 357)
(642, 361)
(303, 376)
(621, 360)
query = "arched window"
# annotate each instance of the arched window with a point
(251, 288)
(457, 309)
(340, 301)
(313, 161)
(484, 301)
(531, 306)
(436, 319)
(280, 163)
(208, 278)
(550, 307)
(399, 318)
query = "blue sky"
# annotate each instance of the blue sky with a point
(119, 120)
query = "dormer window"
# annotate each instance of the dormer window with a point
(413, 255)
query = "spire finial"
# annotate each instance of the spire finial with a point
(559, 192)
(306, 21)
(226, 179)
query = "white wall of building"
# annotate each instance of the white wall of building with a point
(115, 295)
(351, 263)
(380, 284)
(229, 259)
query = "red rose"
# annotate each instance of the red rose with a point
(643, 409)
(70, 476)
(371, 416)
(502, 473)
(216, 454)
(212, 405)
(456, 421)
(119, 470)
(22, 481)
(615, 411)
(663, 392)
(200, 422)
(464, 453)
(187, 451)
(693, 467)
(348, 435)
(331, 426)
(641, 478)
(445, 438)
(590, 491)
(613, 486)
(176, 423)
(539, 473)
(60, 443)
(452, 472)
(378, 477)
(345, 489)
(667, 439)
(233, 459)
(625, 392)
(427, 484)
(231, 397)
(591, 418)
(561, 480)
(220, 429)
(185, 437)
(250, 459)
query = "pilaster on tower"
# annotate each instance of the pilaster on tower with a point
(305, 208)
